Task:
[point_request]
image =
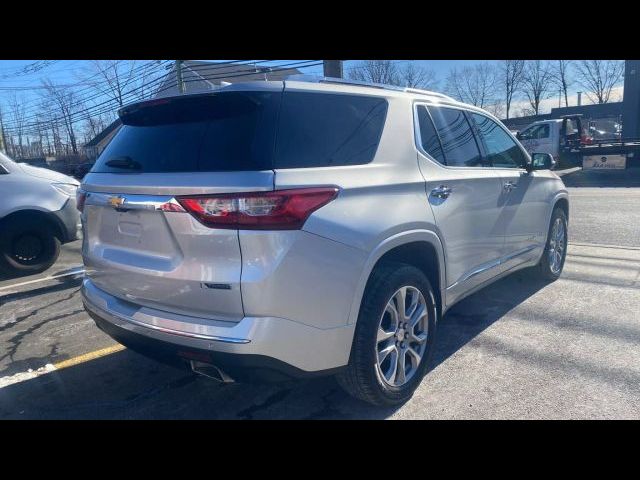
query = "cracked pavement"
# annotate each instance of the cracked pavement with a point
(516, 349)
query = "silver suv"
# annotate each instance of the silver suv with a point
(299, 228)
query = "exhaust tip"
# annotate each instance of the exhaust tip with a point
(210, 371)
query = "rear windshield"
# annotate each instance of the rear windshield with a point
(237, 131)
(230, 131)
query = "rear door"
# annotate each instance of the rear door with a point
(140, 244)
(464, 195)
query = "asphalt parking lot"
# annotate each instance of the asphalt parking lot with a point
(517, 349)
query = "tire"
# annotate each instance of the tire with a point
(547, 269)
(27, 246)
(364, 377)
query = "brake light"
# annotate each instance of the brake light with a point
(81, 196)
(277, 210)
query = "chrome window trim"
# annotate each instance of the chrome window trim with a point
(418, 139)
(493, 264)
(511, 136)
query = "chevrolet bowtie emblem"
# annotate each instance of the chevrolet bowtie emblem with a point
(116, 202)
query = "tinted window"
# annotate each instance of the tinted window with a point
(319, 130)
(500, 148)
(221, 132)
(458, 142)
(428, 136)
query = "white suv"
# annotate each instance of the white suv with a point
(37, 214)
(306, 228)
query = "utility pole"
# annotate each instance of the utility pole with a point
(332, 68)
(631, 100)
(3, 145)
(579, 98)
(179, 76)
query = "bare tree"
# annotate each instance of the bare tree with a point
(496, 109)
(599, 77)
(511, 78)
(414, 76)
(95, 124)
(561, 78)
(67, 105)
(536, 81)
(473, 84)
(145, 84)
(376, 71)
(113, 78)
(47, 117)
(17, 113)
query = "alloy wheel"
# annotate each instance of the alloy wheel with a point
(557, 245)
(402, 336)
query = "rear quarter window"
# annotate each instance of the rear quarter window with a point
(231, 131)
(323, 130)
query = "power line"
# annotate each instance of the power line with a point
(30, 68)
(128, 94)
(108, 105)
(32, 107)
(33, 110)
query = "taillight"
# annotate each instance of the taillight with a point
(81, 196)
(277, 210)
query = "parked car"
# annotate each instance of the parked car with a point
(305, 228)
(38, 213)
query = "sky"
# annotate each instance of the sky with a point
(24, 84)
(69, 71)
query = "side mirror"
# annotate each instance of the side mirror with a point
(518, 135)
(541, 161)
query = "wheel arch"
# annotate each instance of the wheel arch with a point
(560, 200)
(563, 203)
(37, 215)
(420, 248)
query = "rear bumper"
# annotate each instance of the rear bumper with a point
(255, 346)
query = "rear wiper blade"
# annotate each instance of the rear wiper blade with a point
(123, 162)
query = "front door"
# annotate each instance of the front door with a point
(524, 203)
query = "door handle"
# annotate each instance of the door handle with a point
(441, 192)
(508, 186)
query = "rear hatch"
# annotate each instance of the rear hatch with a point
(140, 244)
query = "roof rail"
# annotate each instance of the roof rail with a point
(319, 79)
(428, 92)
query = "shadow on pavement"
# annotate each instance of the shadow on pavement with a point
(125, 385)
(57, 285)
(627, 178)
(472, 315)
